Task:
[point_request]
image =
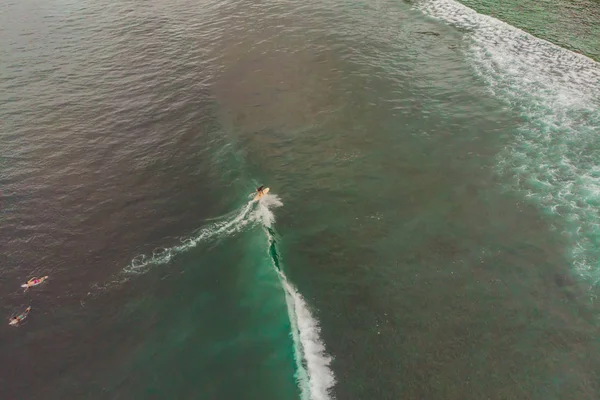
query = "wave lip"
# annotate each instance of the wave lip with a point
(313, 372)
(314, 375)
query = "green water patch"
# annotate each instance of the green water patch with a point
(217, 318)
(572, 24)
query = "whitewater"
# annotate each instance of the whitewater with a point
(552, 160)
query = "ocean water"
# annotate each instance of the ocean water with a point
(432, 227)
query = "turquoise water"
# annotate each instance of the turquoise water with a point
(569, 24)
(556, 92)
(431, 230)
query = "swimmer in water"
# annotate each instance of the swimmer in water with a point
(15, 321)
(34, 282)
(260, 192)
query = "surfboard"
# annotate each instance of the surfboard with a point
(259, 195)
(19, 318)
(41, 280)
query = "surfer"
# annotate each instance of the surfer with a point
(15, 321)
(260, 192)
(34, 282)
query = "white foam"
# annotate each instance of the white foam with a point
(263, 211)
(553, 157)
(248, 215)
(313, 373)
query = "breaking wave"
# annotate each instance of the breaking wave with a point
(313, 374)
(553, 158)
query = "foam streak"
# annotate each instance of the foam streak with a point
(227, 226)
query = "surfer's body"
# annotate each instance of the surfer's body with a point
(34, 282)
(15, 321)
(260, 192)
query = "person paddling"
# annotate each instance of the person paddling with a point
(34, 282)
(15, 321)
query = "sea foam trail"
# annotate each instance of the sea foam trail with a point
(225, 226)
(313, 373)
(553, 159)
